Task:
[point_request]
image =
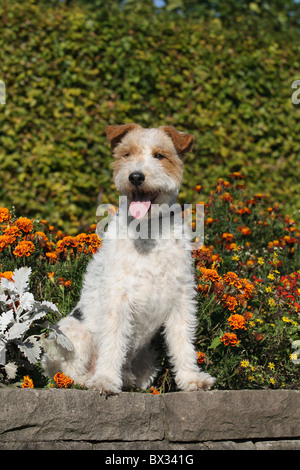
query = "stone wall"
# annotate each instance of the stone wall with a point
(80, 419)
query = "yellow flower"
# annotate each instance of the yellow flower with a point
(294, 356)
(245, 364)
(269, 289)
(272, 381)
(235, 258)
(271, 276)
(271, 302)
(260, 261)
(271, 365)
(286, 319)
(251, 378)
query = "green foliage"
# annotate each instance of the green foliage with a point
(71, 68)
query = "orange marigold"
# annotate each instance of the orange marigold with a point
(154, 391)
(62, 380)
(94, 243)
(4, 214)
(226, 197)
(228, 237)
(230, 339)
(41, 236)
(5, 241)
(243, 210)
(230, 302)
(82, 239)
(209, 274)
(88, 243)
(24, 224)
(52, 257)
(201, 357)
(258, 336)
(203, 289)
(27, 382)
(13, 232)
(232, 279)
(237, 322)
(7, 275)
(247, 288)
(24, 248)
(66, 242)
(247, 315)
(244, 230)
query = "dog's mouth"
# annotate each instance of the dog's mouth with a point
(141, 203)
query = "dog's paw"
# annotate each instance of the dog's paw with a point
(104, 385)
(197, 381)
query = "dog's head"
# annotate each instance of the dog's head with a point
(147, 164)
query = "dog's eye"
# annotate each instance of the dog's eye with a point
(127, 154)
(159, 156)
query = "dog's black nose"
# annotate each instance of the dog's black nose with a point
(136, 178)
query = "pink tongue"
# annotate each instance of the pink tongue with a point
(139, 208)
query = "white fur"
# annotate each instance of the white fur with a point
(131, 289)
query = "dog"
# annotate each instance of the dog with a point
(134, 286)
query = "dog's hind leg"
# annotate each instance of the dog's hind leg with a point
(76, 364)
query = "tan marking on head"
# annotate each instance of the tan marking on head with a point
(182, 142)
(171, 163)
(123, 150)
(116, 133)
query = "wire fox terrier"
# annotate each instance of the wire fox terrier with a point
(134, 285)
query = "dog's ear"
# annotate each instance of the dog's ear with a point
(116, 133)
(182, 142)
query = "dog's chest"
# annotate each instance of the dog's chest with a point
(149, 279)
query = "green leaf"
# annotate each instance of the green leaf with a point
(215, 343)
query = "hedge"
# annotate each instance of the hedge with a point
(71, 70)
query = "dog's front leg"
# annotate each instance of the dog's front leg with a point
(112, 348)
(180, 329)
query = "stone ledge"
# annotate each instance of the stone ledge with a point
(153, 446)
(198, 420)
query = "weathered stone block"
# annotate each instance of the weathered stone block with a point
(232, 415)
(75, 419)
(79, 415)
